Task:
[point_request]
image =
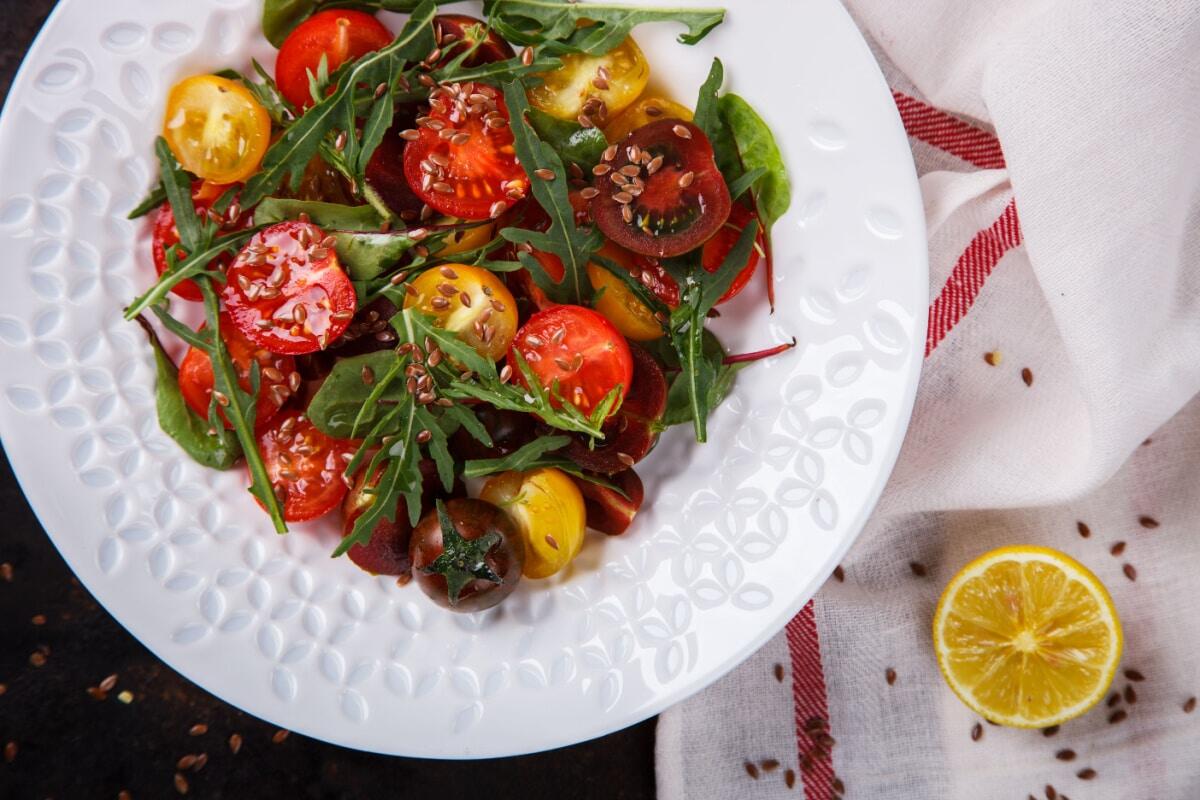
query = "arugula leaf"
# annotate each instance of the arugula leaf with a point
(517, 461)
(241, 409)
(267, 93)
(574, 143)
(758, 150)
(154, 198)
(300, 142)
(341, 401)
(573, 245)
(744, 183)
(593, 28)
(178, 188)
(280, 17)
(679, 406)
(219, 449)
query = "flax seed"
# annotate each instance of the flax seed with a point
(1150, 523)
(527, 56)
(778, 671)
(1134, 675)
(600, 170)
(839, 574)
(1189, 705)
(993, 358)
(976, 732)
(1027, 376)
(1117, 716)
(751, 770)
(789, 778)
(1065, 755)
(199, 729)
(682, 132)
(918, 569)
(1130, 695)
(1083, 529)
(10, 752)
(687, 179)
(589, 193)
(627, 214)
(1086, 774)
(890, 674)
(1130, 572)
(280, 736)
(1048, 732)
(544, 174)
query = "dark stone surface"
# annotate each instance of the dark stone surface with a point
(71, 745)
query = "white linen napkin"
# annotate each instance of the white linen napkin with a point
(1058, 143)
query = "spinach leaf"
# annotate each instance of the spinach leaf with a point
(517, 461)
(154, 198)
(574, 143)
(338, 111)
(594, 28)
(574, 246)
(363, 250)
(758, 151)
(341, 401)
(218, 450)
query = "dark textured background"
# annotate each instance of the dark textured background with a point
(58, 741)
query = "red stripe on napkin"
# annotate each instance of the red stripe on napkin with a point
(808, 695)
(970, 273)
(947, 132)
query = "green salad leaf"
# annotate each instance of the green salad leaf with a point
(593, 28)
(574, 143)
(218, 449)
(520, 460)
(573, 245)
(153, 199)
(758, 150)
(340, 408)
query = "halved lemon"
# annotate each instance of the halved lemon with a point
(1027, 636)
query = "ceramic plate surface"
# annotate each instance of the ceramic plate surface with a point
(736, 536)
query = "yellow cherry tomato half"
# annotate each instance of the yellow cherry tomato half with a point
(469, 301)
(547, 508)
(617, 303)
(642, 113)
(216, 128)
(465, 239)
(617, 78)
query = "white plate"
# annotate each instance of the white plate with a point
(736, 536)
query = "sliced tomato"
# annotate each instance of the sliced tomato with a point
(630, 435)
(304, 465)
(577, 350)
(456, 32)
(204, 194)
(593, 87)
(275, 375)
(462, 162)
(286, 291)
(216, 128)
(340, 35)
(609, 511)
(722, 243)
(661, 208)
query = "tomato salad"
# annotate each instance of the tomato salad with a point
(454, 277)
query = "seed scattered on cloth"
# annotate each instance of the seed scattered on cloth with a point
(280, 735)
(839, 574)
(1086, 774)
(1117, 716)
(1117, 548)
(1189, 705)
(6, 572)
(1130, 695)
(181, 784)
(10, 752)
(1065, 755)
(751, 770)
(993, 358)
(789, 778)
(1047, 732)
(38, 619)
(976, 732)
(918, 569)
(779, 672)
(1150, 523)
(1135, 675)
(891, 676)
(1027, 376)
(1083, 529)
(769, 765)
(1130, 572)
(37, 659)
(109, 683)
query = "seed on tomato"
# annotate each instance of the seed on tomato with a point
(661, 194)
(204, 194)
(576, 353)
(304, 466)
(196, 381)
(469, 301)
(594, 87)
(338, 36)
(717, 249)
(287, 292)
(461, 160)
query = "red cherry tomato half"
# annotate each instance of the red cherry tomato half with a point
(462, 162)
(286, 291)
(340, 35)
(275, 371)
(667, 207)
(204, 194)
(579, 350)
(304, 466)
(454, 38)
(631, 434)
(719, 246)
(612, 512)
